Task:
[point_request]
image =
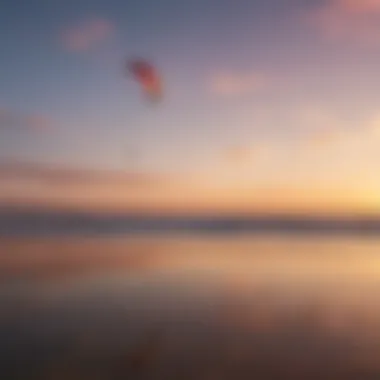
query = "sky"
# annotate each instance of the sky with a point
(268, 105)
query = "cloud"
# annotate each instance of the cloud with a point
(353, 21)
(85, 35)
(318, 125)
(374, 127)
(231, 84)
(10, 119)
(62, 176)
(359, 6)
(38, 122)
(241, 155)
(315, 117)
(325, 137)
(237, 154)
(334, 132)
(41, 185)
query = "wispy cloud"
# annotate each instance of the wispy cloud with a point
(318, 125)
(324, 129)
(232, 84)
(40, 185)
(374, 126)
(360, 6)
(237, 154)
(244, 154)
(324, 137)
(85, 35)
(64, 176)
(312, 117)
(11, 119)
(353, 21)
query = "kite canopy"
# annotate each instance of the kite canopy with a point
(147, 76)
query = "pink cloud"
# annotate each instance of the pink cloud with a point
(359, 6)
(354, 21)
(238, 154)
(245, 155)
(233, 84)
(373, 127)
(38, 122)
(85, 35)
(68, 176)
(320, 126)
(16, 120)
(325, 137)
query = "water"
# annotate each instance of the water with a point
(225, 306)
(18, 223)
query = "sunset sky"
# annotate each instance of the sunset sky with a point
(269, 105)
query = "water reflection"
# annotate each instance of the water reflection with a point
(191, 309)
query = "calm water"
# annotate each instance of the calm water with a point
(175, 307)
